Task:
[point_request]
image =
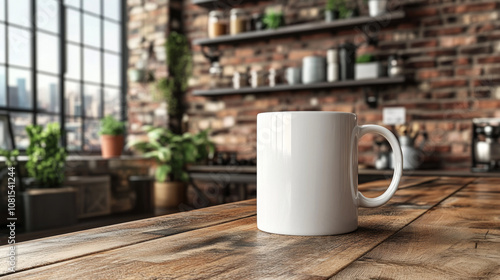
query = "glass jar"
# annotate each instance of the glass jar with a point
(215, 71)
(217, 25)
(239, 21)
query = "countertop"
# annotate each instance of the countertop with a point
(433, 228)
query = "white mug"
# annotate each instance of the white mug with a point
(307, 172)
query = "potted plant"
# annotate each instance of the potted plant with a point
(273, 19)
(347, 9)
(367, 67)
(47, 204)
(331, 10)
(112, 137)
(172, 152)
(377, 7)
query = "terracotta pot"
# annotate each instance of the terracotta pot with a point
(169, 194)
(112, 145)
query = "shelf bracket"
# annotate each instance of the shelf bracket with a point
(212, 53)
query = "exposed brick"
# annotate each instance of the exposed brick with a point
(476, 50)
(457, 41)
(487, 104)
(476, 7)
(489, 59)
(455, 105)
(448, 83)
(476, 71)
(422, 64)
(299, 54)
(424, 43)
(431, 73)
(444, 31)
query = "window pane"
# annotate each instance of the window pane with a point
(2, 43)
(19, 47)
(47, 53)
(112, 102)
(48, 93)
(19, 122)
(44, 119)
(19, 88)
(91, 31)
(73, 62)
(72, 3)
(112, 36)
(2, 10)
(72, 99)
(19, 12)
(91, 136)
(112, 69)
(93, 6)
(3, 87)
(74, 134)
(92, 65)
(73, 26)
(47, 15)
(112, 9)
(92, 101)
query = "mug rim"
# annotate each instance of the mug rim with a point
(310, 112)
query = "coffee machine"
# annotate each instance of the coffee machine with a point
(486, 145)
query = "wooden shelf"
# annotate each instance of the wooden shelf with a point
(325, 85)
(216, 4)
(308, 28)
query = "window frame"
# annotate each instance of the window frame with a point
(34, 110)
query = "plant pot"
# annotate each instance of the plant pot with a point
(112, 145)
(49, 208)
(377, 7)
(370, 70)
(169, 194)
(331, 15)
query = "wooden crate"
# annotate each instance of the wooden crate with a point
(93, 195)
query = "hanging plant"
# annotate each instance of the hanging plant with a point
(179, 64)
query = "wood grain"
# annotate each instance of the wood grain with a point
(458, 239)
(55, 249)
(238, 250)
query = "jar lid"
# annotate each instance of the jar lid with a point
(216, 14)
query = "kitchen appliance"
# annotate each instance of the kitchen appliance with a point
(347, 57)
(486, 145)
(333, 65)
(293, 75)
(313, 69)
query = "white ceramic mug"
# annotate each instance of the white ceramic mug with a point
(307, 172)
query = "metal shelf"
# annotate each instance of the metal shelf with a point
(308, 28)
(216, 4)
(341, 84)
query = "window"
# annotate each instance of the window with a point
(74, 78)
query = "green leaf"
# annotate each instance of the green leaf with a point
(162, 172)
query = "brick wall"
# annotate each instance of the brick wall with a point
(147, 32)
(452, 51)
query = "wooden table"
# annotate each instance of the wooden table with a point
(433, 228)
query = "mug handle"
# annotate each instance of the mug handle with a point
(357, 133)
